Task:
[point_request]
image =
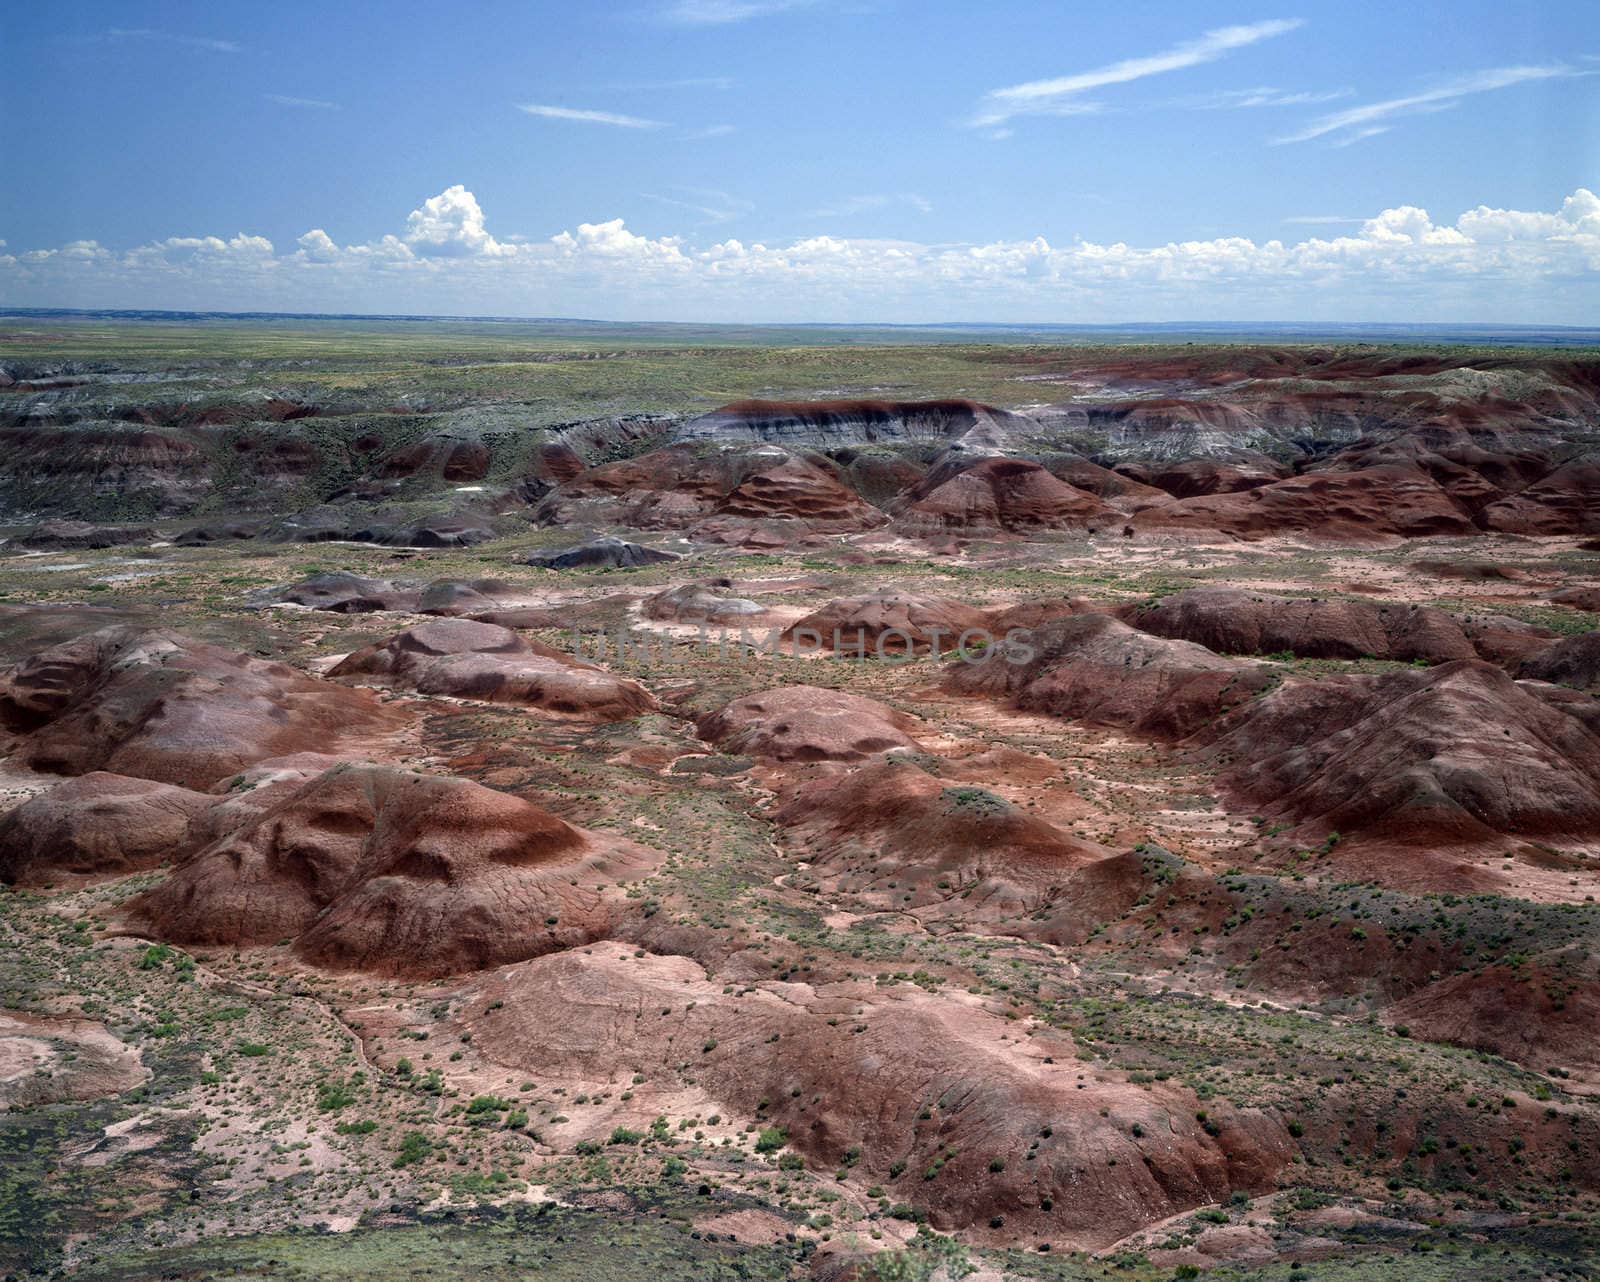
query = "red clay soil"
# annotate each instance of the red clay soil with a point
(1567, 501)
(1425, 761)
(937, 1097)
(892, 836)
(158, 705)
(1245, 621)
(806, 723)
(1374, 505)
(1194, 478)
(999, 495)
(1572, 661)
(1036, 612)
(1585, 597)
(1096, 669)
(901, 620)
(465, 659)
(439, 456)
(1118, 488)
(676, 487)
(1531, 1014)
(96, 824)
(378, 869)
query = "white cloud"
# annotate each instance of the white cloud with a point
(172, 37)
(1490, 264)
(589, 117)
(713, 13)
(1362, 122)
(712, 131)
(285, 100)
(450, 225)
(712, 205)
(1062, 94)
(1239, 99)
(318, 246)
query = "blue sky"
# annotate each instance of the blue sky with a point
(815, 159)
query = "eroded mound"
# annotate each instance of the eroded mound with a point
(681, 488)
(891, 620)
(1454, 756)
(1096, 669)
(806, 723)
(158, 705)
(1370, 505)
(691, 603)
(601, 554)
(379, 869)
(932, 1096)
(98, 823)
(1243, 621)
(341, 592)
(1572, 661)
(999, 495)
(1540, 1015)
(893, 836)
(466, 659)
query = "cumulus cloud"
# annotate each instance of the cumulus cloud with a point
(450, 225)
(1488, 264)
(1062, 95)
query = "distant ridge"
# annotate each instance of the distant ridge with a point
(806, 333)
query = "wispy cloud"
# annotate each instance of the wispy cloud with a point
(1361, 135)
(176, 38)
(589, 117)
(716, 13)
(867, 204)
(285, 100)
(1363, 121)
(1062, 94)
(1239, 99)
(712, 205)
(712, 131)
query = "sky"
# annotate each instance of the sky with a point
(807, 160)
